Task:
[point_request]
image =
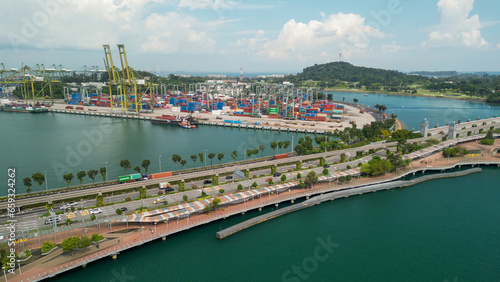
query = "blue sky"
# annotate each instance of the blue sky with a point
(260, 36)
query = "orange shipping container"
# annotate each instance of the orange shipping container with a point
(161, 175)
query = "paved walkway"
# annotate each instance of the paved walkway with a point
(118, 239)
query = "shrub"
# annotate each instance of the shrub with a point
(271, 182)
(487, 141)
(84, 242)
(47, 246)
(325, 171)
(221, 191)
(203, 194)
(299, 176)
(160, 193)
(360, 164)
(100, 201)
(348, 167)
(119, 211)
(24, 254)
(92, 217)
(185, 198)
(165, 203)
(96, 237)
(254, 184)
(128, 199)
(240, 187)
(195, 186)
(283, 177)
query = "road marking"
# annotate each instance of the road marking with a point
(84, 213)
(208, 189)
(70, 215)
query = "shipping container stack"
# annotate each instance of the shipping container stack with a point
(76, 98)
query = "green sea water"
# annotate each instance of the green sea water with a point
(441, 230)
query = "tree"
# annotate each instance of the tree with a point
(125, 164)
(119, 211)
(220, 156)
(137, 169)
(286, 144)
(254, 184)
(255, 151)
(240, 187)
(283, 177)
(68, 177)
(249, 152)
(201, 157)
(145, 165)
(234, 155)
(355, 100)
(70, 244)
(27, 184)
(39, 178)
(273, 145)
(211, 156)
(84, 242)
(176, 159)
(311, 179)
(103, 172)
(221, 191)
(185, 198)
(203, 194)
(262, 147)
(183, 163)
(280, 145)
(80, 175)
(215, 203)
(194, 158)
(91, 174)
(299, 176)
(325, 171)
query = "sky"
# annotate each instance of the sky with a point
(183, 36)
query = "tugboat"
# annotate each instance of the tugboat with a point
(185, 124)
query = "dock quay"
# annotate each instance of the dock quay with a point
(98, 114)
(344, 193)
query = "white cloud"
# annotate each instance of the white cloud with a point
(498, 45)
(180, 36)
(457, 28)
(77, 24)
(346, 33)
(392, 48)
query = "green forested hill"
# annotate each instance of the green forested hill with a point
(336, 73)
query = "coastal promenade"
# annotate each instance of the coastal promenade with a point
(120, 238)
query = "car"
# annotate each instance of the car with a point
(207, 181)
(124, 209)
(229, 177)
(326, 166)
(309, 162)
(145, 177)
(277, 174)
(95, 211)
(63, 207)
(51, 220)
(72, 204)
(169, 189)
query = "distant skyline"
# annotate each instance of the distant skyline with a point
(220, 36)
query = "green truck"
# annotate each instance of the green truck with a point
(130, 177)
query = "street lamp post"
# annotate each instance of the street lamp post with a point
(19, 264)
(205, 159)
(292, 145)
(4, 274)
(142, 232)
(106, 172)
(159, 162)
(46, 182)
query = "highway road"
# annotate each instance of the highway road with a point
(330, 158)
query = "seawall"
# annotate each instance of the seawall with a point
(335, 195)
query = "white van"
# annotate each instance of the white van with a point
(51, 220)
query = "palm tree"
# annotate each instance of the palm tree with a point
(176, 158)
(234, 155)
(125, 164)
(80, 175)
(183, 163)
(211, 156)
(92, 173)
(280, 145)
(220, 156)
(145, 164)
(273, 145)
(286, 144)
(194, 158)
(262, 147)
(68, 177)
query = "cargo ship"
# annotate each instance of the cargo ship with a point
(9, 108)
(174, 120)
